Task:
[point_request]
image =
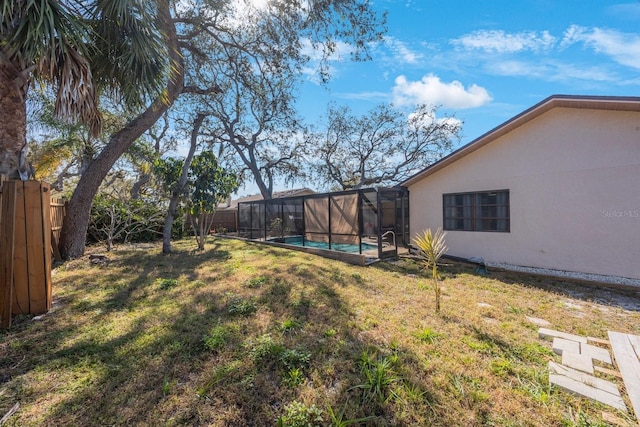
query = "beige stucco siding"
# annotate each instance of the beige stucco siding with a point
(574, 182)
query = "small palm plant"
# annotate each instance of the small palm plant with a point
(432, 248)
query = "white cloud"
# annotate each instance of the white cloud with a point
(500, 42)
(413, 122)
(366, 96)
(341, 52)
(430, 90)
(401, 52)
(626, 11)
(624, 48)
(550, 71)
(518, 68)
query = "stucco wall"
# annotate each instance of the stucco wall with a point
(574, 182)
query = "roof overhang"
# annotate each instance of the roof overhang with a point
(619, 103)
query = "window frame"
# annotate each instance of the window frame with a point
(475, 216)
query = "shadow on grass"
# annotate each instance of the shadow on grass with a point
(126, 351)
(234, 334)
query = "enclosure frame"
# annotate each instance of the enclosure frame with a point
(376, 220)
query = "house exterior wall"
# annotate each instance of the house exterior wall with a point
(574, 182)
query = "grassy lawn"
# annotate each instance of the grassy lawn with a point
(243, 334)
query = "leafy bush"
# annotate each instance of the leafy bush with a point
(294, 377)
(294, 358)
(257, 282)
(265, 349)
(379, 375)
(300, 415)
(428, 335)
(123, 220)
(166, 284)
(289, 325)
(241, 306)
(217, 337)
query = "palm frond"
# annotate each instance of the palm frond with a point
(48, 38)
(36, 30)
(85, 47)
(432, 246)
(76, 97)
(131, 58)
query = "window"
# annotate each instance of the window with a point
(479, 211)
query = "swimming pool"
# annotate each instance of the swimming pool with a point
(342, 247)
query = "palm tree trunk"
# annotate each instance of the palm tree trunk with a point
(13, 125)
(74, 230)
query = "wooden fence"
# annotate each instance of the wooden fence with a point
(58, 210)
(222, 219)
(25, 248)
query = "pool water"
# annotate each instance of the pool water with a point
(342, 247)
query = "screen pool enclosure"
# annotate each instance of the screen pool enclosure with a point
(369, 223)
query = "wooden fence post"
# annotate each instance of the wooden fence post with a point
(25, 248)
(7, 215)
(32, 256)
(58, 208)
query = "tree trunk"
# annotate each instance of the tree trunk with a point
(265, 190)
(175, 194)
(74, 230)
(13, 125)
(168, 223)
(137, 186)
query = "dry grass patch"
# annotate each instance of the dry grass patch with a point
(244, 334)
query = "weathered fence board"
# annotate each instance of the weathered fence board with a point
(58, 208)
(20, 262)
(29, 254)
(7, 213)
(47, 244)
(222, 220)
(36, 206)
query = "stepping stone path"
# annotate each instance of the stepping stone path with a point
(537, 321)
(626, 349)
(571, 305)
(576, 373)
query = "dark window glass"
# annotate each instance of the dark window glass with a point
(479, 211)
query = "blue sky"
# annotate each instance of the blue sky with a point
(486, 61)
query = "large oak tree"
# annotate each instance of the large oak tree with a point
(383, 147)
(257, 58)
(73, 234)
(129, 49)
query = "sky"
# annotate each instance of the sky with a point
(486, 61)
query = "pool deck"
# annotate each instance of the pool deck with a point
(365, 258)
(351, 258)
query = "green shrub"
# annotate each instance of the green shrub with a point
(294, 377)
(166, 284)
(124, 220)
(428, 335)
(289, 325)
(265, 349)
(300, 415)
(241, 306)
(217, 337)
(379, 376)
(294, 358)
(257, 282)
